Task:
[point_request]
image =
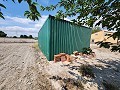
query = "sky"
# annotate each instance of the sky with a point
(16, 24)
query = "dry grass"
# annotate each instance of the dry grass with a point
(36, 46)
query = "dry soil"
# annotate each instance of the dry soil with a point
(21, 68)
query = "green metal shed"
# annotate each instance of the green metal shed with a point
(60, 36)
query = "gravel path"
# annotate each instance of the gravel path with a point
(20, 68)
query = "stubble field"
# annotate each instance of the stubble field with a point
(21, 68)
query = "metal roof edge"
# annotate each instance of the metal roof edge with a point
(50, 16)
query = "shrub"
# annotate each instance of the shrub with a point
(71, 82)
(30, 36)
(14, 36)
(87, 51)
(2, 34)
(21, 36)
(86, 70)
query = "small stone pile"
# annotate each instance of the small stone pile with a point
(81, 56)
(76, 55)
(61, 57)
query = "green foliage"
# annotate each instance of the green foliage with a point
(1, 5)
(115, 48)
(95, 29)
(115, 35)
(14, 36)
(104, 44)
(25, 36)
(30, 36)
(1, 14)
(86, 12)
(19, 1)
(21, 36)
(32, 13)
(86, 70)
(87, 51)
(2, 34)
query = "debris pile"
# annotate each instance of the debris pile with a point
(69, 83)
(81, 56)
(61, 57)
(76, 55)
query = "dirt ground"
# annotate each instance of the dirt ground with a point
(16, 40)
(106, 67)
(21, 68)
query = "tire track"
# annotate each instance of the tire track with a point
(20, 70)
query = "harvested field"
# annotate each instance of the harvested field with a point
(16, 40)
(21, 68)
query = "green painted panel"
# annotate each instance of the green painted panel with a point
(58, 36)
(44, 38)
(67, 37)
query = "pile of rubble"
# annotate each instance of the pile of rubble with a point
(75, 56)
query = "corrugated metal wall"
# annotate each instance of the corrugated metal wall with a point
(63, 37)
(66, 37)
(44, 38)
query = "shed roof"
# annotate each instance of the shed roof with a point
(50, 16)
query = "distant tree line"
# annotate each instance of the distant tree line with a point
(25, 36)
(2, 34)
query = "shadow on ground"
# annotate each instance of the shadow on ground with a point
(110, 74)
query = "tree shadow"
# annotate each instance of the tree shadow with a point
(109, 45)
(109, 73)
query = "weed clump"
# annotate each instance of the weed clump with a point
(71, 83)
(86, 70)
(87, 51)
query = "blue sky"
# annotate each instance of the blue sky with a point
(16, 24)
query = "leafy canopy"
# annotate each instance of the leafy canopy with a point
(2, 34)
(86, 12)
(32, 13)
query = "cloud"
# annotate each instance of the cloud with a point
(39, 24)
(18, 29)
(19, 20)
(11, 25)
